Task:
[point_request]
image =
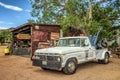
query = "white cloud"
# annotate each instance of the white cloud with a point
(1, 27)
(15, 8)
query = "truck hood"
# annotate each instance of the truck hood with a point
(58, 50)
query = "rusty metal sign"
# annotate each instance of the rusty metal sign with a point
(55, 36)
(23, 36)
(40, 36)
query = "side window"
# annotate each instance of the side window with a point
(77, 42)
(71, 42)
(62, 42)
(84, 42)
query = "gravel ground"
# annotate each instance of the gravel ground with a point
(20, 68)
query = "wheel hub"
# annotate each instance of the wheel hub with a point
(71, 66)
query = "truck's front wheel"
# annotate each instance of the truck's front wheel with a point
(70, 67)
(44, 68)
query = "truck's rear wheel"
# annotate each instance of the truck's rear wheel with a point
(105, 60)
(70, 67)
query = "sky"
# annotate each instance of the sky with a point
(14, 13)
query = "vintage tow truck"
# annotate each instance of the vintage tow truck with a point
(70, 52)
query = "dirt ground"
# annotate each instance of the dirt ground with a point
(20, 68)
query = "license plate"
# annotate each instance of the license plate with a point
(44, 62)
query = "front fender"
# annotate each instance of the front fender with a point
(68, 57)
(100, 54)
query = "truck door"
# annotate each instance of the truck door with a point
(88, 50)
(91, 53)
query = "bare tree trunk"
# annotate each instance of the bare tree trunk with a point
(90, 13)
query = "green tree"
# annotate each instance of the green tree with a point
(31, 21)
(68, 13)
(5, 36)
(87, 15)
(106, 13)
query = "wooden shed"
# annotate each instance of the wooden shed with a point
(29, 37)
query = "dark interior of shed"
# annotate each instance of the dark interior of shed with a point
(22, 41)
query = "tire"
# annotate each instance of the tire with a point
(6, 54)
(44, 68)
(100, 61)
(105, 60)
(70, 67)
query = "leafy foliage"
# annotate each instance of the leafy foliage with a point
(5, 36)
(31, 21)
(75, 13)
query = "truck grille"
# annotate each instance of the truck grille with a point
(42, 57)
(49, 58)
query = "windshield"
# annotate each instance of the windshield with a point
(71, 42)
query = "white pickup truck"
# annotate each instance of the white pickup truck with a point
(69, 52)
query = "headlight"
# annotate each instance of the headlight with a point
(58, 59)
